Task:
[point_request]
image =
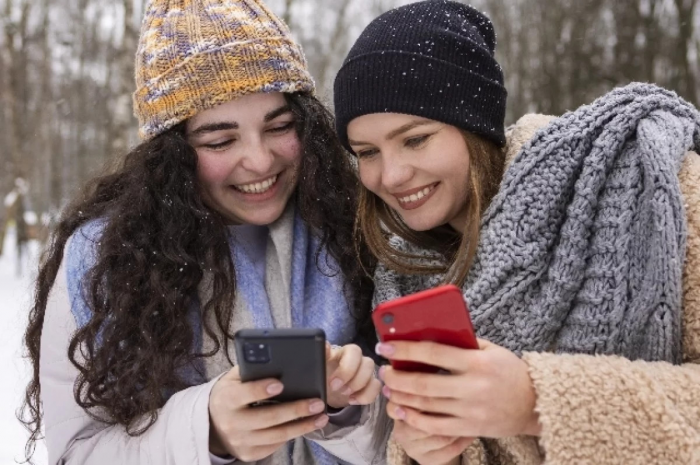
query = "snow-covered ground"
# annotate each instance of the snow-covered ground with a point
(15, 296)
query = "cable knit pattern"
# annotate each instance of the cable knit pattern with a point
(582, 249)
(196, 54)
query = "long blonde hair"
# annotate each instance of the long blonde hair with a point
(375, 221)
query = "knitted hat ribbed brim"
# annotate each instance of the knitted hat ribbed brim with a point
(194, 55)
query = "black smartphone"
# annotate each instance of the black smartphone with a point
(297, 357)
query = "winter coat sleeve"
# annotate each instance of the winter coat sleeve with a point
(179, 436)
(360, 443)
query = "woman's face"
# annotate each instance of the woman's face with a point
(418, 166)
(248, 157)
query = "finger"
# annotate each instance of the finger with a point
(443, 356)
(429, 404)
(404, 433)
(287, 431)
(348, 364)
(232, 375)
(253, 454)
(447, 453)
(367, 395)
(438, 385)
(363, 376)
(334, 353)
(440, 425)
(238, 394)
(485, 345)
(431, 444)
(259, 418)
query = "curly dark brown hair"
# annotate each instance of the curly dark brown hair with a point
(157, 240)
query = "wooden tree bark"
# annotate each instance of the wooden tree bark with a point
(337, 44)
(287, 15)
(686, 76)
(14, 92)
(123, 122)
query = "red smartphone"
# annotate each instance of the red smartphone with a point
(439, 314)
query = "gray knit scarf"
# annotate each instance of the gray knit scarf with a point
(582, 249)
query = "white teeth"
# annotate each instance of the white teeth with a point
(257, 187)
(417, 196)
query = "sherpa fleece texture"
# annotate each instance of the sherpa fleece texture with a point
(606, 409)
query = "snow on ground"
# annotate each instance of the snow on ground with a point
(15, 296)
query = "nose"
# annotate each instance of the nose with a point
(257, 156)
(395, 172)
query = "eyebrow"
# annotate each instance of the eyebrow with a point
(225, 125)
(212, 127)
(277, 112)
(398, 131)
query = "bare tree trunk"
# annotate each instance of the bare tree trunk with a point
(21, 233)
(628, 20)
(335, 45)
(652, 39)
(45, 145)
(122, 118)
(4, 219)
(287, 16)
(13, 93)
(686, 76)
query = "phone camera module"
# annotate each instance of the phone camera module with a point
(388, 318)
(256, 352)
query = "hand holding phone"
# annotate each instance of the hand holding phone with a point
(296, 357)
(490, 391)
(351, 377)
(439, 315)
(251, 434)
(282, 373)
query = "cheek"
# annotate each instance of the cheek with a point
(288, 148)
(459, 180)
(369, 175)
(212, 169)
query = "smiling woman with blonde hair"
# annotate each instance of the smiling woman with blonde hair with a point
(576, 241)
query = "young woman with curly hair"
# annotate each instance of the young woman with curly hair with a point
(235, 211)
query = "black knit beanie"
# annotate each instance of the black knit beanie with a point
(432, 59)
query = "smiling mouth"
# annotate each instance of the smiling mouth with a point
(417, 196)
(257, 187)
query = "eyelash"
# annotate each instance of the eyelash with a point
(416, 142)
(412, 143)
(226, 143)
(366, 153)
(283, 128)
(220, 145)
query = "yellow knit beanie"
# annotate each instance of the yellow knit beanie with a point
(196, 54)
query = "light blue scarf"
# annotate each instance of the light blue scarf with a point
(317, 296)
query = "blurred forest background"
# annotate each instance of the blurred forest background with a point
(66, 73)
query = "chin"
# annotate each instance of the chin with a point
(420, 224)
(261, 217)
